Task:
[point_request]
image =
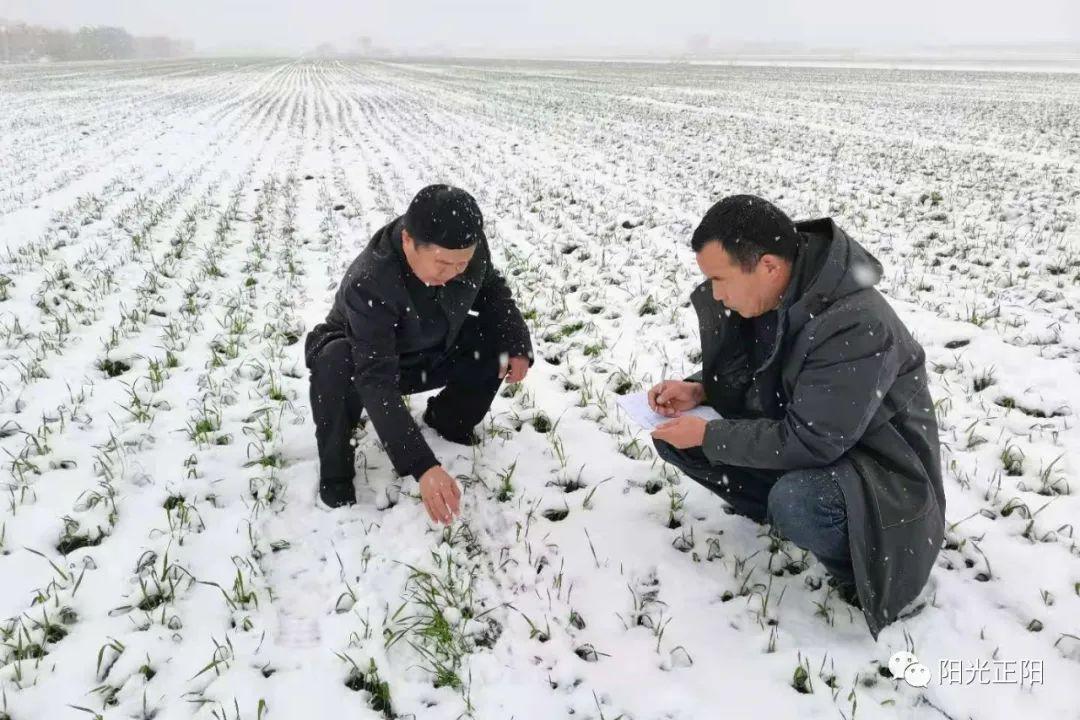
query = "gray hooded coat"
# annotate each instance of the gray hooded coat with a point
(845, 381)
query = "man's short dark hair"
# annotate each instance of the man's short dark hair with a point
(446, 216)
(748, 227)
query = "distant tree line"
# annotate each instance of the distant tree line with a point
(20, 42)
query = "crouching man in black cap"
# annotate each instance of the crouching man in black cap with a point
(421, 307)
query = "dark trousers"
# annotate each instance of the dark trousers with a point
(468, 374)
(805, 506)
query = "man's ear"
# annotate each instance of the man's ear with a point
(771, 263)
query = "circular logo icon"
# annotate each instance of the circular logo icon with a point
(900, 661)
(917, 675)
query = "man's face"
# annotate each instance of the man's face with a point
(435, 265)
(748, 293)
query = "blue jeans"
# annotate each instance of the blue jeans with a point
(805, 506)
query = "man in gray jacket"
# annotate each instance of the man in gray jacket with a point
(828, 428)
(422, 307)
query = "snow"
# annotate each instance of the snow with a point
(170, 234)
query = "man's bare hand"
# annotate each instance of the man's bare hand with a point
(515, 369)
(682, 432)
(671, 397)
(441, 495)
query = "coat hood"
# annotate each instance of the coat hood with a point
(830, 266)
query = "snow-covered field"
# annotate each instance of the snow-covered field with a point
(170, 231)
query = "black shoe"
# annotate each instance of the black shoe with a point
(337, 492)
(847, 592)
(466, 437)
(730, 509)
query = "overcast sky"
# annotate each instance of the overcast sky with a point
(295, 26)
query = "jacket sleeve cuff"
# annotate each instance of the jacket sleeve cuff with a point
(517, 351)
(422, 465)
(714, 446)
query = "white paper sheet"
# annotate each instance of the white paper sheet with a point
(637, 407)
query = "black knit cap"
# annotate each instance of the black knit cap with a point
(445, 216)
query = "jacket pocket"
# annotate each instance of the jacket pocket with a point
(898, 498)
(317, 339)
